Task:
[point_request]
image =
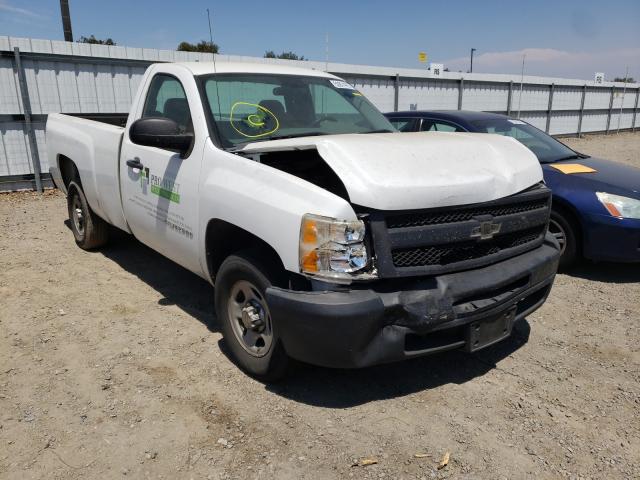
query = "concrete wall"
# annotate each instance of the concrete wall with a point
(81, 78)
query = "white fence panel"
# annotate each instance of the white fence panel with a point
(566, 98)
(597, 98)
(485, 96)
(533, 98)
(10, 101)
(564, 123)
(594, 121)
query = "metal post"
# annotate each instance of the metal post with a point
(396, 92)
(66, 20)
(550, 107)
(460, 90)
(26, 106)
(635, 111)
(584, 94)
(509, 96)
(613, 91)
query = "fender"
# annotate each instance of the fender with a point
(262, 200)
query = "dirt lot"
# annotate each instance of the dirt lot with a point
(622, 147)
(111, 366)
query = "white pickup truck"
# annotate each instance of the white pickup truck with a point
(329, 237)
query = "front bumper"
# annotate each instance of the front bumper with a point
(612, 239)
(408, 318)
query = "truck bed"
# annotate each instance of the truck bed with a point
(93, 144)
(115, 119)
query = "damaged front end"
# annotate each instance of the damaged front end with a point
(421, 281)
(447, 278)
(397, 319)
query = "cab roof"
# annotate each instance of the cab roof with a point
(207, 68)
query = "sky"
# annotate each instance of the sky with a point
(562, 38)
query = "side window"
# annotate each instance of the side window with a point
(439, 126)
(404, 124)
(166, 98)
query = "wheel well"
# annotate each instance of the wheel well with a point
(224, 239)
(68, 171)
(570, 214)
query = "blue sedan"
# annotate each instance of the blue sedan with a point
(596, 202)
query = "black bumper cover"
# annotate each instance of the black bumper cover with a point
(358, 327)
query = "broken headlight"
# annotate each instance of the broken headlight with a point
(331, 248)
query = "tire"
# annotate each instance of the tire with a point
(243, 313)
(89, 230)
(564, 229)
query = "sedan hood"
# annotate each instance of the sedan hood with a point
(609, 176)
(394, 171)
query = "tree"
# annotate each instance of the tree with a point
(624, 79)
(283, 55)
(202, 46)
(92, 39)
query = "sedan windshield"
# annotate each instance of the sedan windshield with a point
(544, 146)
(255, 107)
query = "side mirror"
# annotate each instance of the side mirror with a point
(160, 132)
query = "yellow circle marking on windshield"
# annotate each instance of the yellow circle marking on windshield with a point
(254, 120)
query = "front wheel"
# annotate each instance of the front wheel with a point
(565, 232)
(89, 230)
(245, 319)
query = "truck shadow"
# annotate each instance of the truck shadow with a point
(178, 286)
(332, 388)
(317, 386)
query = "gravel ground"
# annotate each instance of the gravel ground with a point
(111, 367)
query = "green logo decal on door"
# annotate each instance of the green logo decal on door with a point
(160, 186)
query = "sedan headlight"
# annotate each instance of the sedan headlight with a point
(618, 206)
(332, 248)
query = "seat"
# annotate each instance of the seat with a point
(276, 108)
(177, 109)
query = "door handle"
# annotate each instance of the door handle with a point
(135, 163)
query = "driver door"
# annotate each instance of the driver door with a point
(159, 187)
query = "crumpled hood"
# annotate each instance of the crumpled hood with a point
(396, 171)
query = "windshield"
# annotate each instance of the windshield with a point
(544, 146)
(256, 107)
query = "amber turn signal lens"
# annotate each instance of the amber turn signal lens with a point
(310, 261)
(612, 209)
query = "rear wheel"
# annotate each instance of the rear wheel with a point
(566, 233)
(244, 316)
(89, 230)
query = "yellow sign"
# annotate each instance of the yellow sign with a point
(422, 56)
(572, 168)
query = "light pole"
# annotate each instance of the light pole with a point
(471, 69)
(66, 20)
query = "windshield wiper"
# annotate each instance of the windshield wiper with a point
(575, 156)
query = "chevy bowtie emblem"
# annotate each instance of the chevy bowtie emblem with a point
(485, 230)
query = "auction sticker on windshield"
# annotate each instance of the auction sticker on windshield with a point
(341, 84)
